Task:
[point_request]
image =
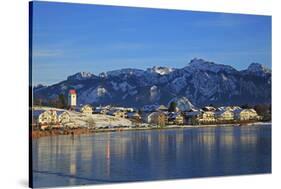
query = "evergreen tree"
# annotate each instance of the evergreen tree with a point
(62, 101)
(245, 106)
(172, 107)
(37, 101)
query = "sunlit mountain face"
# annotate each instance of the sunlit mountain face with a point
(200, 81)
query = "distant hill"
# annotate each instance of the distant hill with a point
(201, 82)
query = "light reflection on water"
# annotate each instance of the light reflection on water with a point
(151, 155)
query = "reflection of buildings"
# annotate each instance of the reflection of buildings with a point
(86, 149)
(249, 136)
(160, 153)
(72, 160)
(108, 150)
(108, 158)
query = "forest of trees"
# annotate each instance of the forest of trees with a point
(59, 102)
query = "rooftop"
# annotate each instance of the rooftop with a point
(72, 91)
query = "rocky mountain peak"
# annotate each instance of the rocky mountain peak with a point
(81, 76)
(258, 68)
(203, 65)
(160, 70)
(200, 82)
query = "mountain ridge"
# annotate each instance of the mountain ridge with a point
(202, 82)
(195, 63)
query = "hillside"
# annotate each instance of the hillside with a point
(201, 82)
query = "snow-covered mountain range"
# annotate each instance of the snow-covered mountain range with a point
(201, 82)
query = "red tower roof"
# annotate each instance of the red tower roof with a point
(72, 91)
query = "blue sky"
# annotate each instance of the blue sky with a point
(69, 38)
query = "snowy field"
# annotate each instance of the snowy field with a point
(78, 119)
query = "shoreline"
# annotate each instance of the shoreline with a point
(84, 131)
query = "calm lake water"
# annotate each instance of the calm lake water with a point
(151, 155)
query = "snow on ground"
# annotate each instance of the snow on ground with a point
(79, 119)
(106, 120)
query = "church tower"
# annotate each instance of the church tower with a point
(72, 98)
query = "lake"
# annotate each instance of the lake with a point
(151, 155)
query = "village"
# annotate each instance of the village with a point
(113, 118)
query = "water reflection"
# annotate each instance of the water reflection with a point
(150, 155)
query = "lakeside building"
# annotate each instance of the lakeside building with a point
(72, 98)
(101, 111)
(122, 109)
(193, 117)
(63, 117)
(86, 109)
(134, 115)
(220, 115)
(224, 115)
(207, 117)
(118, 113)
(245, 114)
(229, 108)
(41, 117)
(53, 118)
(175, 118)
(158, 118)
(162, 108)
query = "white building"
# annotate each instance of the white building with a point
(63, 117)
(72, 98)
(87, 109)
(245, 114)
(41, 117)
(158, 118)
(224, 115)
